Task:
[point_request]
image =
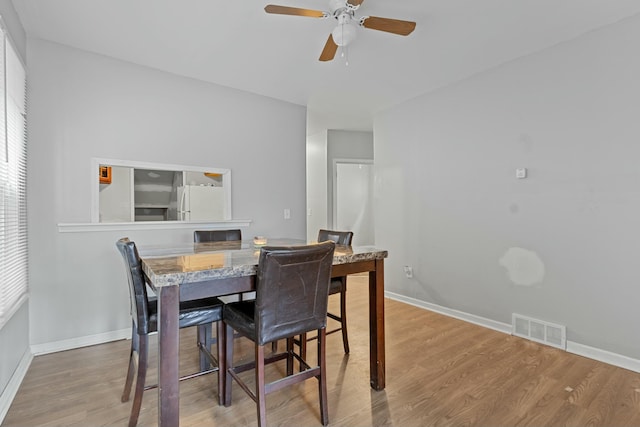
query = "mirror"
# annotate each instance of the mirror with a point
(127, 191)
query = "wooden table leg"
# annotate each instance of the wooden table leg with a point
(376, 326)
(168, 345)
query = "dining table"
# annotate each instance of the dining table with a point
(187, 271)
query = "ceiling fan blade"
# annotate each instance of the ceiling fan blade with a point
(329, 50)
(285, 10)
(355, 2)
(395, 26)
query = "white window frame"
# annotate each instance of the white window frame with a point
(13, 169)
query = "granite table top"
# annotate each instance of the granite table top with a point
(197, 262)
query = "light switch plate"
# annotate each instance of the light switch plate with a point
(521, 173)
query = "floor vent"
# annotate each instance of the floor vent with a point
(540, 331)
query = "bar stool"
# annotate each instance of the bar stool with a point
(338, 286)
(144, 318)
(292, 287)
(217, 235)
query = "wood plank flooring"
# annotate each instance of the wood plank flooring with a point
(440, 372)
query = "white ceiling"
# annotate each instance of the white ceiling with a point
(235, 43)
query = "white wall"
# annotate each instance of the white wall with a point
(353, 200)
(448, 202)
(115, 198)
(83, 105)
(316, 184)
(14, 27)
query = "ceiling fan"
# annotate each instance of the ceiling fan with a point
(344, 33)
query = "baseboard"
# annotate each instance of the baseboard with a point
(471, 318)
(10, 391)
(53, 347)
(572, 347)
(604, 356)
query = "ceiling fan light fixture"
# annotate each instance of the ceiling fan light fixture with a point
(335, 5)
(344, 11)
(344, 34)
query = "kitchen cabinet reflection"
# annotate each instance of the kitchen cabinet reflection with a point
(162, 193)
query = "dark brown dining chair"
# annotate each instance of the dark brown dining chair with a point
(217, 235)
(144, 316)
(233, 235)
(292, 287)
(338, 286)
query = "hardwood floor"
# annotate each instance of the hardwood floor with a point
(440, 371)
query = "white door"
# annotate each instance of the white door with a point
(353, 201)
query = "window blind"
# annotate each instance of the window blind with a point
(13, 180)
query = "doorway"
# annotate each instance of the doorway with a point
(353, 199)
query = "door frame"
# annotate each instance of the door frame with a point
(334, 190)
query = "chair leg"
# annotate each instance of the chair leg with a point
(228, 345)
(289, 356)
(303, 349)
(132, 366)
(260, 387)
(205, 339)
(343, 319)
(222, 360)
(322, 380)
(143, 351)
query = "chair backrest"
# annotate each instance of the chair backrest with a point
(339, 237)
(137, 284)
(216, 235)
(292, 290)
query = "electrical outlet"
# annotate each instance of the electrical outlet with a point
(287, 214)
(408, 271)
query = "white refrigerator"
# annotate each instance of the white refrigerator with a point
(200, 203)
